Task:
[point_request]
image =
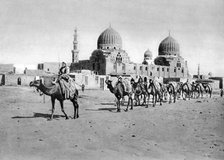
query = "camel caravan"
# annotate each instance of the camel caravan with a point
(139, 92)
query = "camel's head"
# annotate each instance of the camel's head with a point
(35, 83)
(109, 83)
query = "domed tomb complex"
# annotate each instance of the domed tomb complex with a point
(111, 59)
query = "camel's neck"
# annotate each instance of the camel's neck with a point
(46, 90)
(111, 88)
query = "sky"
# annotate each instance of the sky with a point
(34, 31)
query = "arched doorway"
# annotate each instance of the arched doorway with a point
(19, 81)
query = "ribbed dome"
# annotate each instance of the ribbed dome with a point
(148, 54)
(169, 46)
(109, 39)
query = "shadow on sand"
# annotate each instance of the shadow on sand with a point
(38, 115)
(110, 109)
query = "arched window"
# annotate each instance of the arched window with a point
(118, 58)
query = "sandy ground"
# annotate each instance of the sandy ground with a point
(185, 130)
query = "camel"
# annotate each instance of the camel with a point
(155, 90)
(55, 92)
(186, 90)
(118, 91)
(199, 89)
(138, 92)
(172, 90)
(208, 89)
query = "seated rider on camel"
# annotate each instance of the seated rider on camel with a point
(68, 88)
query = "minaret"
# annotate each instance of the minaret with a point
(75, 51)
(198, 71)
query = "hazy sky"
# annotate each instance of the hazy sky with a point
(34, 31)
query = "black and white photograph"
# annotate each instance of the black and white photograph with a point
(111, 79)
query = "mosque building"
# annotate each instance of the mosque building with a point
(111, 59)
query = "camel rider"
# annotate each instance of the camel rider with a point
(63, 72)
(68, 88)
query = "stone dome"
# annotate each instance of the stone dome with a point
(148, 54)
(169, 46)
(109, 39)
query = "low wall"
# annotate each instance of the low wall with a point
(18, 79)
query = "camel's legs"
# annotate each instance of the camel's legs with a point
(170, 98)
(53, 104)
(76, 109)
(131, 103)
(160, 98)
(128, 104)
(62, 109)
(118, 105)
(175, 95)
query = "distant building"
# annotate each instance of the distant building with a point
(50, 67)
(7, 68)
(111, 59)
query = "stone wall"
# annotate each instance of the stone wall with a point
(16, 79)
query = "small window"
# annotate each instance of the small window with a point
(174, 70)
(158, 69)
(163, 69)
(134, 68)
(48, 69)
(140, 67)
(107, 47)
(146, 68)
(114, 47)
(178, 64)
(182, 71)
(168, 70)
(150, 73)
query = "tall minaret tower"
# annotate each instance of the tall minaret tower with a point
(75, 51)
(198, 71)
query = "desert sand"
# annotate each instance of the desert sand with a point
(186, 130)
